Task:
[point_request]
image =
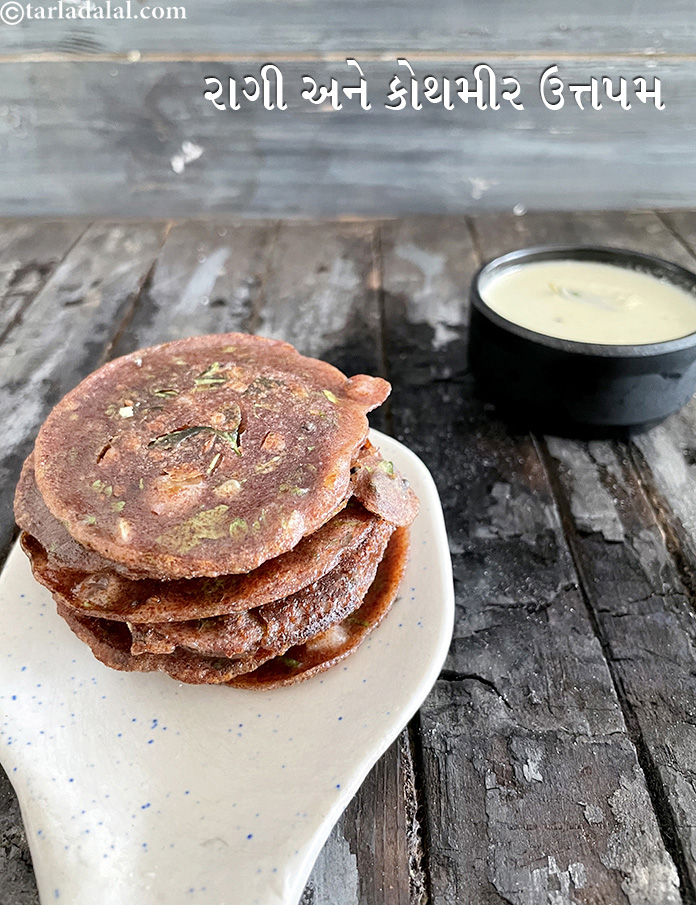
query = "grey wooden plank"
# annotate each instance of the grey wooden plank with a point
(683, 224)
(373, 856)
(309, 162)
(36, 244)
(207, 279)
(63, 335)
(533, 787)
(645, 615)
(667, 452)
(638, 230)
(28, 252)
(478, 27)
(558, 817)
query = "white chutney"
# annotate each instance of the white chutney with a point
(590, 302)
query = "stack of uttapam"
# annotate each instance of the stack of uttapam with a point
(212, 508)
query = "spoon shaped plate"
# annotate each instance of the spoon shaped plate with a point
(135, 788)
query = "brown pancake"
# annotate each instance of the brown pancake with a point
(34, 517)
(382, 489)
(112, 596)
(375, 482)
(325, 650)
(278, 625)
(110, 641)
(205, 456)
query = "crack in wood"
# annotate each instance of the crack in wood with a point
(452, 675)
(45, 272)
(651, 773)
(420, 885)
(259, 299)
(667, 223)
(674, 537)
(136, 301)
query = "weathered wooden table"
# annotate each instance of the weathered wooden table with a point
(555, 761)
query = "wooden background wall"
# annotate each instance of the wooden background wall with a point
(93, 113)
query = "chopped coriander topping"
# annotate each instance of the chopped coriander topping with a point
(293, 489)
(210, 524)
(269, 466)
(117, 507)
(210, 377)
(238, 528)
(289, 662)
(173, 439)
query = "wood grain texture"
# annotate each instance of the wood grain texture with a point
(373, 855)
(63, 335)
(320, 293)
(646, 621)
(206, 280)
(532, 786)
(28, 253)
(666, 455)
(130, 122)
(242, 26)
(518, 816)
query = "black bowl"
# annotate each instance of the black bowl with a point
(576, 387)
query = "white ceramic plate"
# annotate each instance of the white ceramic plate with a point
(137, 790)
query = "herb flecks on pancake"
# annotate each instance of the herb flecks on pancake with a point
(171, 428)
